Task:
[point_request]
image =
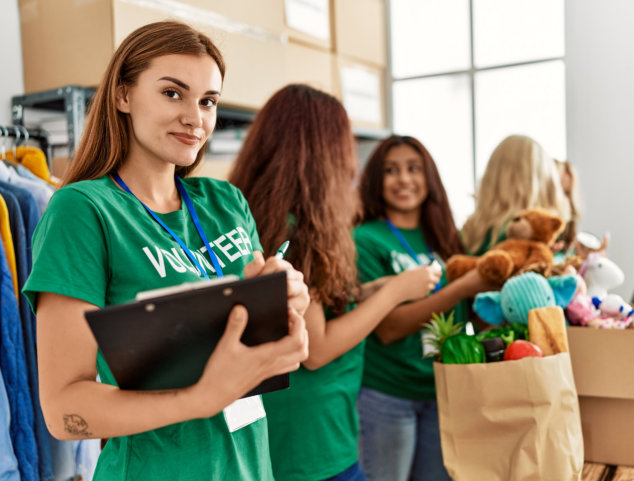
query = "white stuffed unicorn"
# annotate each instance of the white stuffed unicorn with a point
(601, 274)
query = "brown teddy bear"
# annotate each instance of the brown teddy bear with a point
(529, 236)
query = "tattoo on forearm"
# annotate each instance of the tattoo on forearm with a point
(75, 424)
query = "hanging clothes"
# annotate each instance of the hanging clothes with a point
(23, 261)
(13, 366)
(26, 187)
(8, 462)
(34, 160)
(40, 190)
(29, 212)
(7, 243)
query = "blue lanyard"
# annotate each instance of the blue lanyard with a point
(194, 216)
(409, 249)
(405, 244)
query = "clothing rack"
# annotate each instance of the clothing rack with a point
(22, 134)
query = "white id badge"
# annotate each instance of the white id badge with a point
(243, 412)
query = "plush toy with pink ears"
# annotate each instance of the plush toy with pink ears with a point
(592, 304)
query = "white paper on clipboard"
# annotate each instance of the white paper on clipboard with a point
(185, 286)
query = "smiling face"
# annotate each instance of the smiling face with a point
(172, 108)
(404, 183)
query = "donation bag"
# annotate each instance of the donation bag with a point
(510, 420)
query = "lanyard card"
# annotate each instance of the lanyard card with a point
(243, 412)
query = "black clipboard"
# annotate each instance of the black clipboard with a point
(164, 342)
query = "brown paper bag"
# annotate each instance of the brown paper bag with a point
(510, 420)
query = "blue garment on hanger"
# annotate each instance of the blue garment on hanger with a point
(8, 463)
(76, 458)
(13, 365)
(22, 258)
(40, 189)
(30, 213)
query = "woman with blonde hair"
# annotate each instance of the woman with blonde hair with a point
(570, 186)
(128, 220)
(519, 175)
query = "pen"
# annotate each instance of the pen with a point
(279, 254)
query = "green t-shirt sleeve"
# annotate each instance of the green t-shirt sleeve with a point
(370, 265)
(70, 255)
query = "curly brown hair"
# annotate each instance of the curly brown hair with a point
(436, 219)
(296, 170)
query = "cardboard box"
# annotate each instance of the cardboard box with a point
(255, 49)
(309, 65)
(216, 167)
(602, 363)
(361, 88)
(65, 42)
(69, 42)
(59, 166)
(360, 30)
(316, 32)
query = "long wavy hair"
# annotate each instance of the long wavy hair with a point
(106, 138)
(436, 219)
(519, 175)
(296, 169)
(573, 194)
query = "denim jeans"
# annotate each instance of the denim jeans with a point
(353, 473)
(400, 439)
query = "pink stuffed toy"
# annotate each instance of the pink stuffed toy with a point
(581, 310)
(592, 305)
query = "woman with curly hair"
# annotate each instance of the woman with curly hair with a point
(297, 169)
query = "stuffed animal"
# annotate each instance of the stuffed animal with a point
(601, 274)
(593, 305)
(580, 309)
(529, 236)
(522, 293)
(613, 306)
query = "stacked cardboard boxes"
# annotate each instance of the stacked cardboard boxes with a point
(266, 44)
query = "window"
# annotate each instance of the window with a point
(467, 73)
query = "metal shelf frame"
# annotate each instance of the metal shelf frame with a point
(72, 100)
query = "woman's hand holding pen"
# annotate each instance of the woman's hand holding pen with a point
(235, 368)
(297, 291)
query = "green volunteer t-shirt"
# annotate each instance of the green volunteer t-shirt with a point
(314, 426)
(97, 243)
(398, 368)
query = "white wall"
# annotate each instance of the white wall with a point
(600, 118)
(11, 79)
